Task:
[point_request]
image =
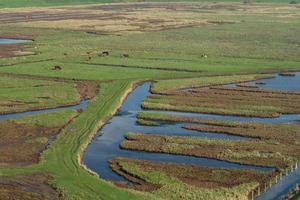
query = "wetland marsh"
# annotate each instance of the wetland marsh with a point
(149, 100)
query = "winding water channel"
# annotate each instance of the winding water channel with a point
(105, 146)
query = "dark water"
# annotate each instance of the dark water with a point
(83, 104)
(12, 41)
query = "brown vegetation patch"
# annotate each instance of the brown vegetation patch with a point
(27, 187)
(9, 50)
(193, 6)
(87, 89)
(134, 17)
(45, 15)
(21, 144)
(135, 6)
(103, 19)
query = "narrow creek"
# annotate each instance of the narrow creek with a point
(105, 146)
(82, 105)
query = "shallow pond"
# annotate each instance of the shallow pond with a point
(12, 41)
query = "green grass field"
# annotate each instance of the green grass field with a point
(257, 42)
(31, 3)
(197, 44)
(17, 95)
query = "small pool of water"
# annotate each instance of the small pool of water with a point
(13, 41)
